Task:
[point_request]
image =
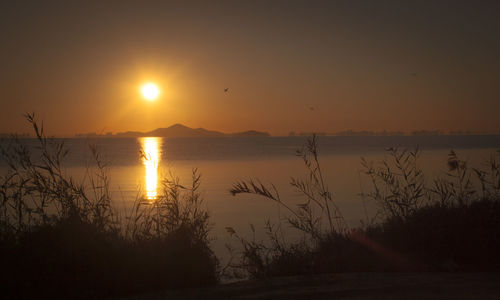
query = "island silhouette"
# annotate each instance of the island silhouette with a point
(179, 131)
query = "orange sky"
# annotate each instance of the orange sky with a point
(362, 65)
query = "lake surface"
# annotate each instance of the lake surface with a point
(222, 161)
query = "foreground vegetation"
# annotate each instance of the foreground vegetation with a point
(63, 237)
(451, 223)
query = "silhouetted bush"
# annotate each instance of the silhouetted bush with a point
(453, 224)
(62, 238)
(465, 237)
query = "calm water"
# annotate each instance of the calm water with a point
(222, 161)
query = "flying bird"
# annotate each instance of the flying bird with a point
(226, 89)
(230, 230)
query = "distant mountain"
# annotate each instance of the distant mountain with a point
(251, 133)
(179, 130)
(129, 134)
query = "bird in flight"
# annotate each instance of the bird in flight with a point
(226, 89)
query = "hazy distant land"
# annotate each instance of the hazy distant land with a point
(390, 133)
(179, 130)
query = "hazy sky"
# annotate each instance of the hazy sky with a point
(374, 65)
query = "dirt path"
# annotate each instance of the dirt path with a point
(351, 286)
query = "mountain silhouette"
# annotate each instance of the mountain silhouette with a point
(179, 130)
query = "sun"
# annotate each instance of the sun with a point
(150, 91)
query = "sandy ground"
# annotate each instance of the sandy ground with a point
(351, 286)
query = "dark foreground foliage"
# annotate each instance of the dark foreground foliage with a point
(465, 237)
(62, 238)
(434, 238)
(74, 259)
(451, 224)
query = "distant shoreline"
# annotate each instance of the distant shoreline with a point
(182, 131)
(86, 136)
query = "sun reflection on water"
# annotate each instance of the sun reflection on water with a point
(151, 159)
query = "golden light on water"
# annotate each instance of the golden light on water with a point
(151, 159)
(150, 91)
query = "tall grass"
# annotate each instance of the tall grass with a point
(398, 183)
(318, 205)
(399, 187)
(447, 223)
(60, 236)
(317, 217)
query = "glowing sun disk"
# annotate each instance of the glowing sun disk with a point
(150, 91)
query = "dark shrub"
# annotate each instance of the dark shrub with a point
(62, 238)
